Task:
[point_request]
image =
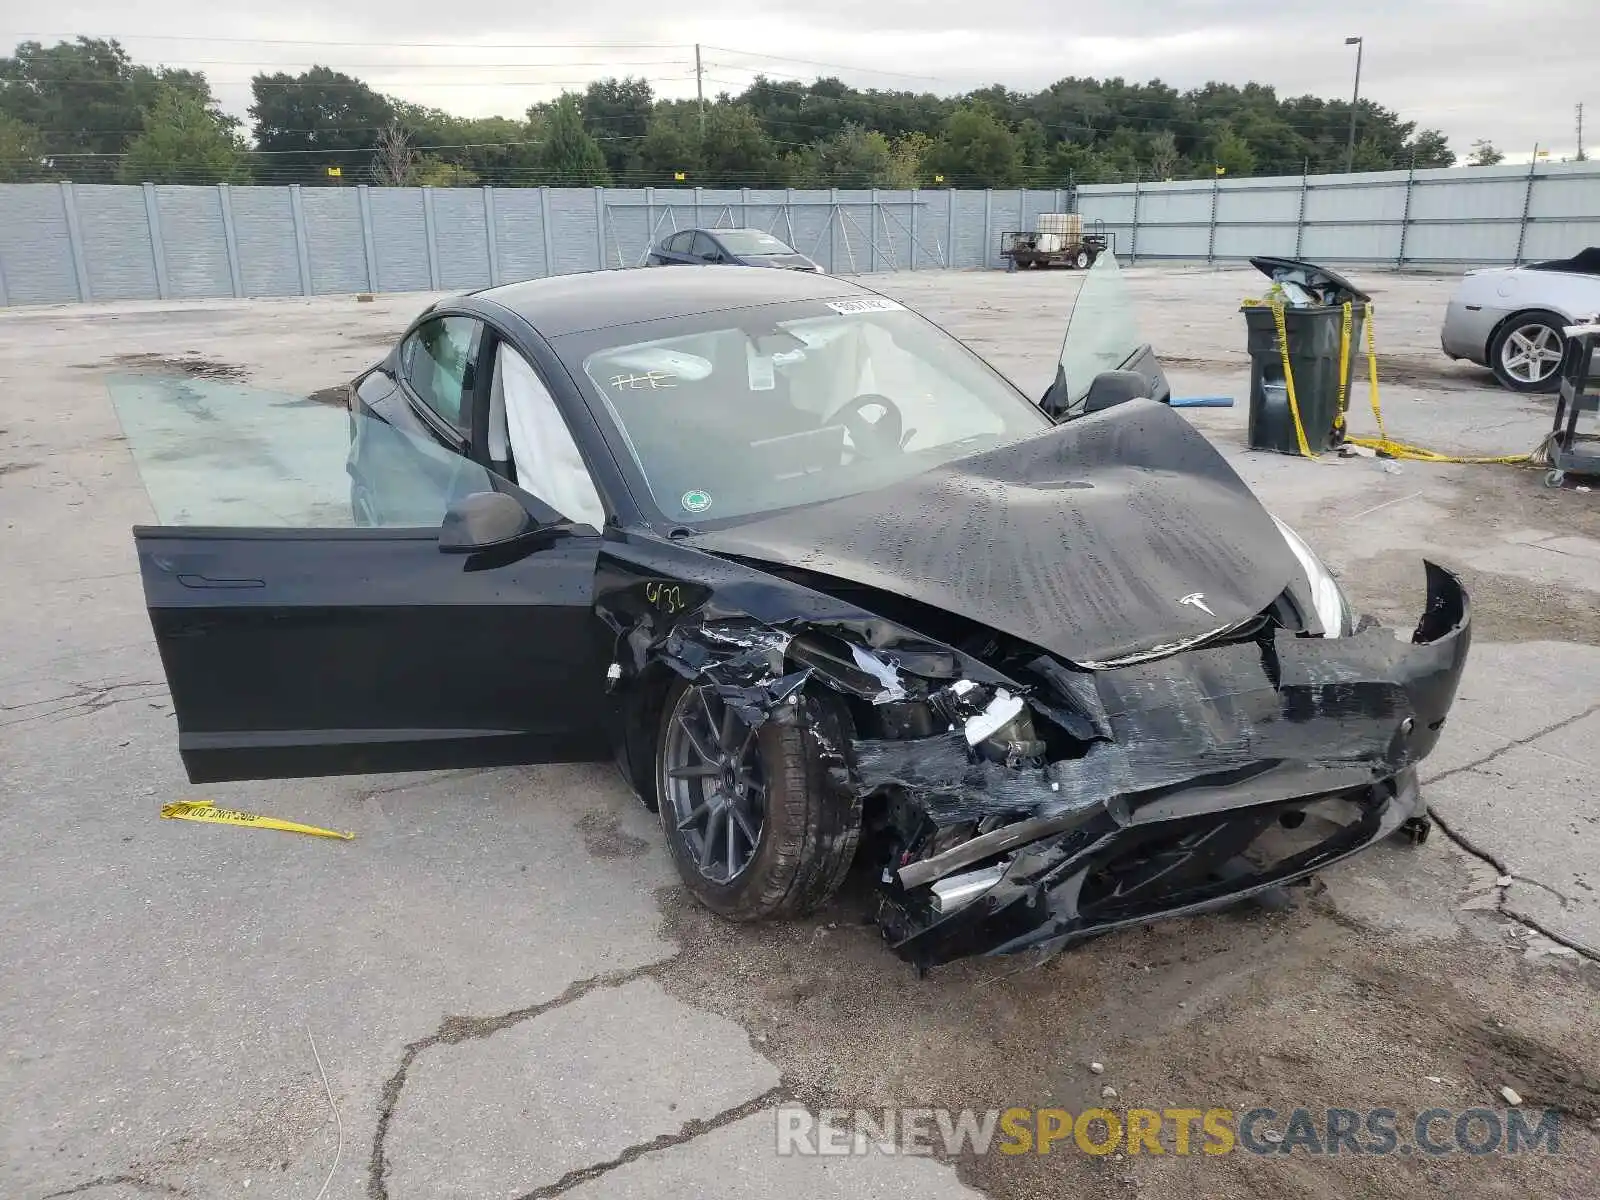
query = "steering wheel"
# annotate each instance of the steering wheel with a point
(874, 435)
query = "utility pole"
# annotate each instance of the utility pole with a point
(699, 89)
(1350, 150)
(1582, 157)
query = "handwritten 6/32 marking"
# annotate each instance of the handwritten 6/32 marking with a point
(667, 597)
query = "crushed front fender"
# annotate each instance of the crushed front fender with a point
(1213, 775)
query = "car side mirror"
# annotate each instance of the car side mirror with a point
(485, 521)
(1111, 388)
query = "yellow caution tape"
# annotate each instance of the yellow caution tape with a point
(1276, 305)
(1382, 444)
(206, 810)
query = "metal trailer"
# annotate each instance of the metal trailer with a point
(1569, 450)
(1044, 248)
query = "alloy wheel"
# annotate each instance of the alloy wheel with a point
(713, 784)
(1531, 353)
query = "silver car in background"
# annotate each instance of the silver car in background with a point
(1509, 319)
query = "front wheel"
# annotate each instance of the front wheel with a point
(754, 825)
(1525, 354)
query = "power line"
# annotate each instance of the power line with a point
(810, 62)
(311, 64)
(264, 80)
(328, 151)
(491, 45)
(418, 66)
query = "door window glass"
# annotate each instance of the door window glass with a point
(704, 247)
(437, 360)
(1103, 330)
(216, 453)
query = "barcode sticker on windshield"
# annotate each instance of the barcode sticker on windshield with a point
(865, 304)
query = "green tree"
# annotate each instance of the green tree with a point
(1484, 154)
(906, 157)
(852, 158)
(1163, 155)
(568, 156)
(500, 151)
(735, 150)
(318, 119)
(975, 149)
(88, 101)
(1371, 156)
(87, 98)
(183, 141)
(1232, 153)
(670, 147)
(617, 112)
(435, 172)
(1033, 144)
(1073, 162)
(1430, 149)
(21, 153)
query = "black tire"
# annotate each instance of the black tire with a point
(1083, 260)
(809, 829)
(1526, 331)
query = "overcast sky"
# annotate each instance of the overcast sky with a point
(1505, 70)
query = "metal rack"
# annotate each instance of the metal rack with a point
(1569, 450)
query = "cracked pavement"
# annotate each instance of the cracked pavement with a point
(505, 991)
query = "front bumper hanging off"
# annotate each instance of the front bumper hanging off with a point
(1225, 772)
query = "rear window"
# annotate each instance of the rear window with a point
(752, 241)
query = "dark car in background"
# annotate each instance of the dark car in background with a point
(739, 247)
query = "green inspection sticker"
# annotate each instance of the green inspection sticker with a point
(696, 501)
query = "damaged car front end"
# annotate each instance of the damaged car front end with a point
(1015, 800)
(1197, 774)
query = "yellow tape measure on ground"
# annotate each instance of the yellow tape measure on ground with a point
(207, 811)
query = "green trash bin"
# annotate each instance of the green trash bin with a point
(1313, 332)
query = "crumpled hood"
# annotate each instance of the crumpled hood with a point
(1107, 536)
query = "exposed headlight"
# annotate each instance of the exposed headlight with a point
(1327, 597)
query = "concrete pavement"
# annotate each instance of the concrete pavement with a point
(485, 971)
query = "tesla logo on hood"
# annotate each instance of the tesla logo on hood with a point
(1198, 599)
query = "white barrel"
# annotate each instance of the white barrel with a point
(1068, 225)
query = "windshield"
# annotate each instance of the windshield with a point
(1102, 333)
(752, 410)
(751, 241)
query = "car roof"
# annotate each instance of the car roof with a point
(562, 304)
